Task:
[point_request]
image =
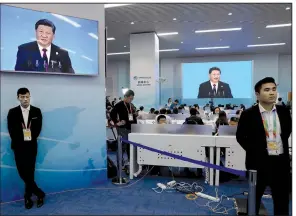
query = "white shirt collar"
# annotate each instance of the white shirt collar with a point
(41, 48)
(212, 84)
(262, 110)
(25, 109)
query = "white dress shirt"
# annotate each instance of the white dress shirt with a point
(212, 84)
(269, 117)
(47, 52)
(25, 112)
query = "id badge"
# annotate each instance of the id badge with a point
(27, 135)
(130, 117)
(272, 147)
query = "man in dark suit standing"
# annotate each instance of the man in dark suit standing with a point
(263, 132)
(42, 55)
(214, 88)
(24, 126)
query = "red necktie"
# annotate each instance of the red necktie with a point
(214, 89)
(44, 57)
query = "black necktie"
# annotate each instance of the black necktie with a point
(45, 59)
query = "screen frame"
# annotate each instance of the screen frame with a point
(56, 73)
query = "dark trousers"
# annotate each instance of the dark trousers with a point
(276, 175)
(25, 159)
(125, 146)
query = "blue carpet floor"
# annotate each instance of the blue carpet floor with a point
(137, 198)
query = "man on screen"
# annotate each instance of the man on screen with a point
(42, 55)
(214, 88)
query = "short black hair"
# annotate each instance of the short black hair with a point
(265, 80)
(214, 68)
(280, 99)
(156, 112)
(196, 105)
(160, 117)
(22, 91)
(141, 108)
(129, 93)
(176, 101)
(193, 111)
(162, 111)
(152, 110)
(169, 111)
(45, 22)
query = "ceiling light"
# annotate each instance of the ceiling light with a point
(132, 23)
(288, 8)
(259, 37)
(114, 5)
(120, 53)
(181, 42)
(111, 38)
(218, 30)
(278, 25)
(209, 48)
(168, 33)
(124, 46)
(263, 45)
(175, 19)
(168, 50)
(229, 14)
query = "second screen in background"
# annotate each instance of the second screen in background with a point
(41, 42)
(235, 80)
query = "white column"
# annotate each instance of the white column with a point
(144, 69)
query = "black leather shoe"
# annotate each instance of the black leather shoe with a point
(28, 203)
(40, 202)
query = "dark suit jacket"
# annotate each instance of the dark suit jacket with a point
(15, 120)
(206, 91)
(251, 136)
(30, 59)
(196, 119)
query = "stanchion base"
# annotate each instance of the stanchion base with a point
(242, 209)
(116, 181)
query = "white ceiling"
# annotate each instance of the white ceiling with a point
(252, 18)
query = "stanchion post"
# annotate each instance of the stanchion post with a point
(119, 180)
(252, 192)
(119, 159)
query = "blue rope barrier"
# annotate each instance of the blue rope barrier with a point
(209, 165)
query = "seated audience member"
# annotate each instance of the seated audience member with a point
(141, 113)
(242, 107)
(217, 110)
(222, 119)
(169, 102)
(156, 112)
(280, 102)
(152, 110)
(175, 110)
(193, 118)
(168, 111)
(233, 121)
(207, 107)
(175, 104)
(114, 102)
(163, 111)
(181, 109)
(161, 119)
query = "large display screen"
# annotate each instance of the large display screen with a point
(40, 42)
(217, 80)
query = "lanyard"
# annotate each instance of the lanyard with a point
(24, 127)
(266, 125)
(127, 109)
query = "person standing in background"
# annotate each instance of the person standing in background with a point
(114, 102)
(123, 115)
(263, 132)
(24, 126)
(169, 102)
